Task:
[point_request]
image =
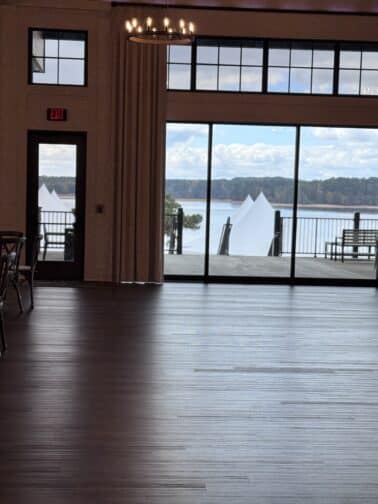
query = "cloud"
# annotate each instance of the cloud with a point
(57, 160)
(325, 153)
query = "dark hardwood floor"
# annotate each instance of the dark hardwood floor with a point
(191, 394)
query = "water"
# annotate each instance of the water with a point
(311, 236)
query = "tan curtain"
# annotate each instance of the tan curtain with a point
(140, 106)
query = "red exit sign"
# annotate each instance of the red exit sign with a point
(57, 114)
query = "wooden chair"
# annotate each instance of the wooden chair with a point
(4, 270)
(11, 243)
(27, 271)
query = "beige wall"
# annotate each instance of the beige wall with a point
(23, 107)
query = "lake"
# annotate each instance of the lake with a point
(311, 236)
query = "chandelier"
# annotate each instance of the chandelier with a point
(148, 33)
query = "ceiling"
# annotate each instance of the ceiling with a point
(346, 6)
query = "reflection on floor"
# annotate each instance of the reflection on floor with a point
(52, 255)
(269, 266)
(191, 394)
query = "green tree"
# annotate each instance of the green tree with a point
(192, 221)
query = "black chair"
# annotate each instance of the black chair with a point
(27, 271)
(4, 270)
(11, 243)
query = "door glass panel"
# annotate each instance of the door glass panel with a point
(251, 201)
(57, 200)
(185, 198)
(337, 203)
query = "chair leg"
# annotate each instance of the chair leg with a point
(44, 251)
(31, 287)
(19, 297)
(2, 334)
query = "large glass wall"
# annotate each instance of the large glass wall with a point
(251, 193)
(337, 223)
(243, 178)
(187, 148)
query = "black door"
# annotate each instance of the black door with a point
(56, 202)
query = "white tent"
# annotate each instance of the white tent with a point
(242, 210)
(46, 200)
(253, 231)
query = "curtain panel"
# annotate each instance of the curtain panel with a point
(139, 142)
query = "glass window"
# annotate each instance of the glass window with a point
(252, 56)
(350, 59)
(234, 66)
(349, 81)
(251, 79)
(207, 77)
(229, 55)
(300, 80)
(369, 82)
(229, 78)
(207, 54)
(179, 67)
(278, 80)
(58, 57)
(179, 76)
(307, 63)
(322, 81)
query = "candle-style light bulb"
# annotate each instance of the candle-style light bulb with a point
(134, 22)
(191, 27)
(149, 22)
(140, 29)
(166, 22)
(128, 26)
(182, 23)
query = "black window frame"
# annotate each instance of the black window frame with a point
(361, 48)
(175, 63)
(335, 45)
(83, 33)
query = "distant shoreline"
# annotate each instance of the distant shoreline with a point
(312, 206)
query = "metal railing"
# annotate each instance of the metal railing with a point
(314, 232)
(173, 231)
(55, 222)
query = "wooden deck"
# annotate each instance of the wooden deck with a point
(306, 267)
(191, 394)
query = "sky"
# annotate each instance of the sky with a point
(259, 151)
(57, 160)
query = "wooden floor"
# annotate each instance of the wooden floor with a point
(191, 394)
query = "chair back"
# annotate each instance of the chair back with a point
(18, 234)
(4, 269)
(11, 246)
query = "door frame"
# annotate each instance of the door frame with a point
(56, 270)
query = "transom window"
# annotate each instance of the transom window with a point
(358, 70)
(233, 66)
(274, 66)
(179, 66)
(58, 57)
(300, 68)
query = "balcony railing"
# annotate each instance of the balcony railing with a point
(55, 222)
(312, 233)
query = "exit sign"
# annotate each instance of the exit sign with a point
(57, 114)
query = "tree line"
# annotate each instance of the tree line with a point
(332, 191)
(62, 185)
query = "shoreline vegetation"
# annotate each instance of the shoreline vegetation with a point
(310, 206)
(341, 192)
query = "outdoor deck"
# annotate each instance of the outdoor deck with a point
(309, 267)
